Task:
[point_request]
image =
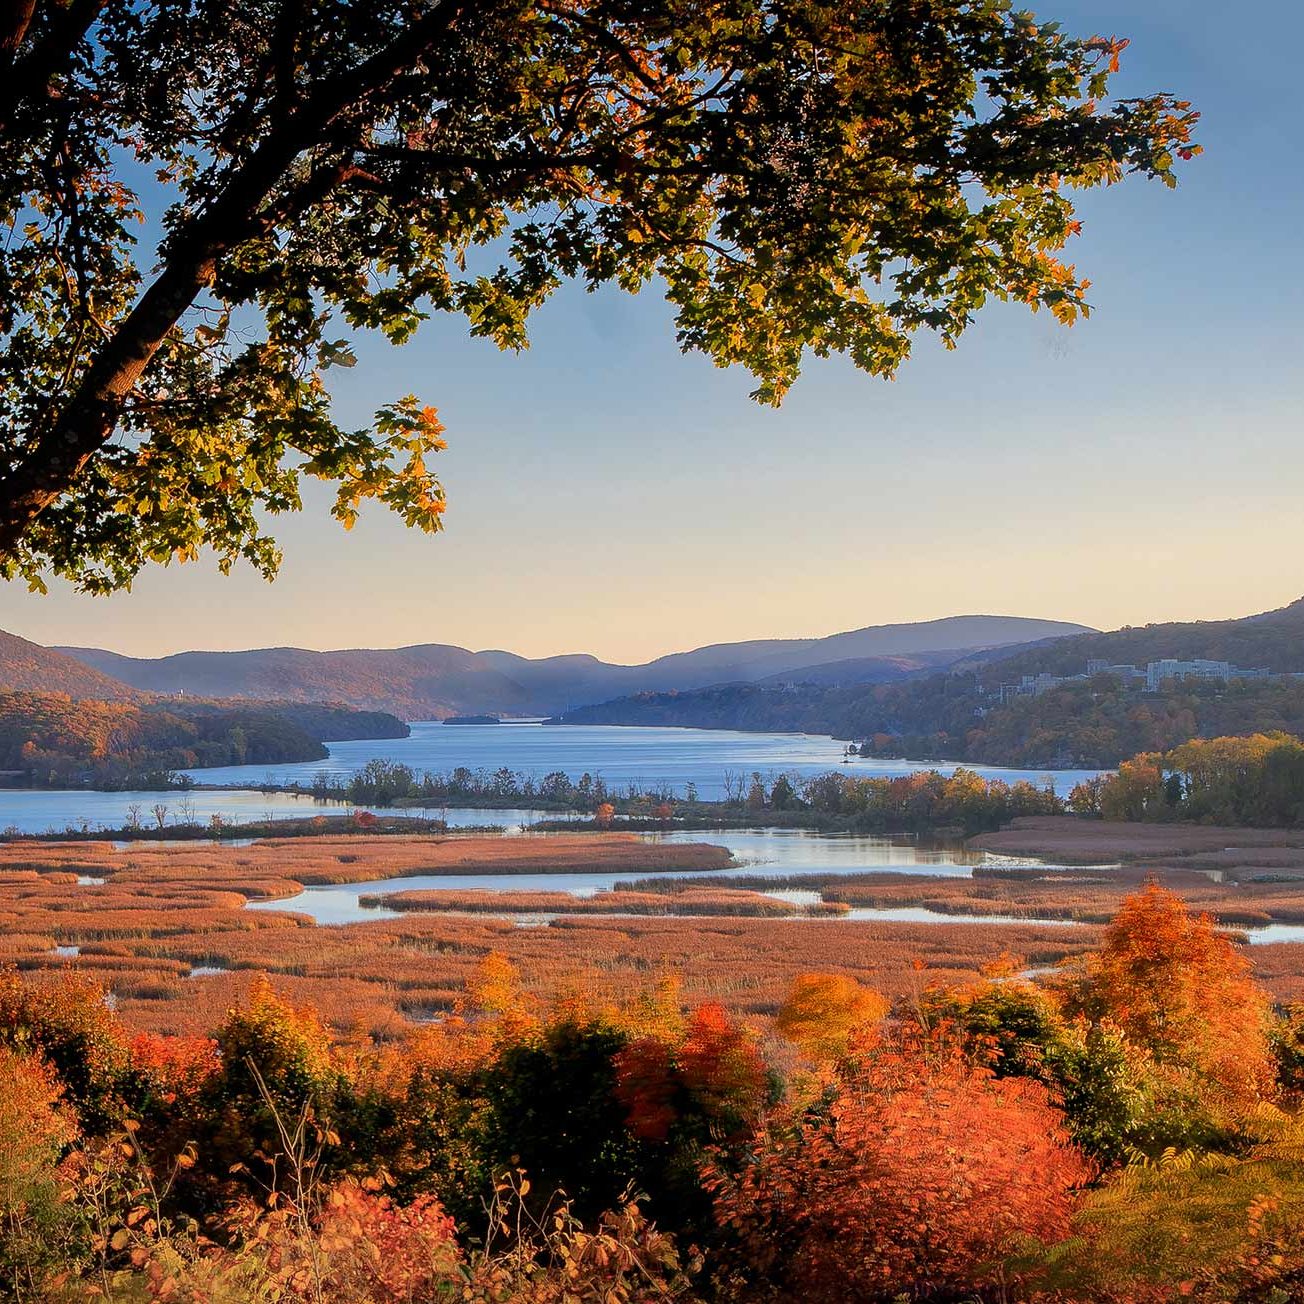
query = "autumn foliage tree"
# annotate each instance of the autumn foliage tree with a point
(1136, 792)
(926, 1172)
(1117, 1100)
(277, 1069)
(824, 1013)
(68, 1024)
(1175, 986)
(800, 177)
(36, 1126)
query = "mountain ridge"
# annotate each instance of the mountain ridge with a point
(436, 680)
(966, 712)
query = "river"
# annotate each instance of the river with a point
(672, 758)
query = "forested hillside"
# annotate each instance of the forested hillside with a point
(953, 717)
(1092, 723)
(807, 708)
(26, 667)
(50, 740)
(1272, 640)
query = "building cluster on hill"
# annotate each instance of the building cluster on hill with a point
(1149, 680)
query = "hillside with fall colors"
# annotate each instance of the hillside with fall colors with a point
(51, 740)
(26, 667)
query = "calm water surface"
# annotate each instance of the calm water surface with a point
(52, 812)
(646, 757)
(769, 853)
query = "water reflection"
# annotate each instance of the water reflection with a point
(766, 854)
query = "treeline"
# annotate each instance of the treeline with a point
(911, 803)
(387, 783)
(927, 800)
(49, 740)
(1256, 781)
(989, 1142)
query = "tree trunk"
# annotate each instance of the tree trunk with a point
(91, 414)
(49, 466)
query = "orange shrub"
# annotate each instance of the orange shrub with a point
(168, 1067)
(1177, 987)
(35, 1127)
(35, 1124)
(923, 1177)
(723, 1067)
(824, 1012)
(70, 1024)
(374, 1249)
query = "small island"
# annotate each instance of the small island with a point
(473, 719)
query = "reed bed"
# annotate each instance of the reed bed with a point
(14, 943)
(321, 862)
(1278, 968)
(1251, 900)
(164, 912)
(675, 901)
(1063, 897)
(1072, 840)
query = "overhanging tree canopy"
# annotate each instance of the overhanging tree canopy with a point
(799, 175)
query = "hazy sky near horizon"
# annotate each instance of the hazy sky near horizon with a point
(610, 495)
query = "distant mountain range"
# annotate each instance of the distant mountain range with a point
(959, 713)
(928, 690)
(434, 681)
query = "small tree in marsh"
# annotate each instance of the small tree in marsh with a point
(799, 176)
(1174, 985)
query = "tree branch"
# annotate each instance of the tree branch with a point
(15, 19)
(52, 461)
(32, 76)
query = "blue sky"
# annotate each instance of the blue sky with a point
(609, 494)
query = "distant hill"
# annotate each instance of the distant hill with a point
(1272, 640)
(798, 709)
(864, 670)
(434, 681)
(29, 668)
(50, 740)
(749, 662)
(424, 682)
(956, 715)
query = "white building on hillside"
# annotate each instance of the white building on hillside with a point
(1158, 671)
